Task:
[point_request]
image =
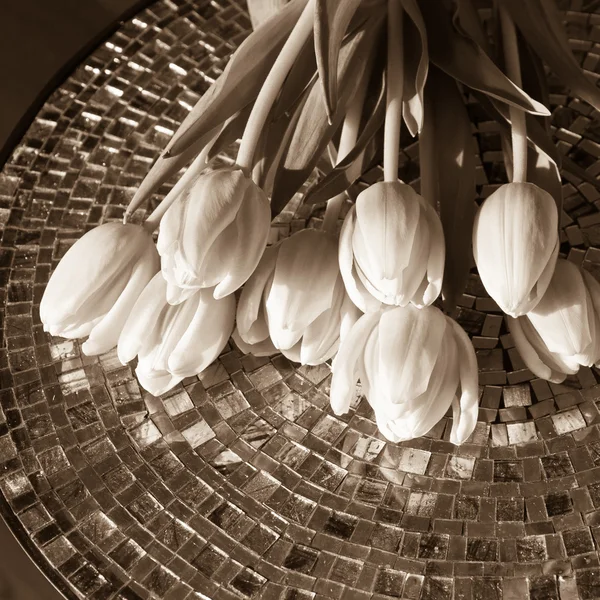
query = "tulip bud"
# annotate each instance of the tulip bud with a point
(515, 244)
(173, 342)
(411, 364)
(295, 301)
(563, 331)
(96, 284)
(213, 235)
(392, 248)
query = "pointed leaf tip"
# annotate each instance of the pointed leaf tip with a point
(332, 18)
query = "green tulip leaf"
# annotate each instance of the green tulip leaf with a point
(368, 145)
(241, 80)
(313, 130)
(466, 20)
(262, 10)
(540, 24)
(541, 170)
(332, 18)
(302, 75)
(458, 55)
(275, 140)
(416, 64)
(447, 160)
(536, 134)
(165, 167)
(232, 131)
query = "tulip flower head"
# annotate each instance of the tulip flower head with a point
(295, 301)
(392, 248)
(213, 235)
(173, 342)
(411, 363)
(515, 244)
(96, 284)
(562, 332)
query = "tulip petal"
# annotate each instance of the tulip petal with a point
(385, 296)
(88, 279)
(177, 291)
(142, 319)
(350, 313)
(92, 308)
(250, 318)
(367, 368)
(441, 390)
(437, 257)
(409, 344)
(530, 355)
(105, 334)
(219, 258)
(198, 217)
(561, 316)
(417, 416)
(263, 348)
(304, 281)
(468, 404)
(177, 295)
(514, 239)
(292, 353)
(343, 382)
(417, 265)
(74, 331)
(206, 335)
(557, 362)
(156, 382)
(354, 287)
(387, 429)
(387, 216)
(212, 204)
(254, 222)
(541, 286)
(593, 288)
(172, 327)
(321, 338)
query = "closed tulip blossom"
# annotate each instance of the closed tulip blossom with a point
(562, 332)
(391, 248)
(515, 244)
(295, 301)
(97, 282)
(413, 365)
(213, 235)
(173, 342)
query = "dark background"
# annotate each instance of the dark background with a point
(38, 41)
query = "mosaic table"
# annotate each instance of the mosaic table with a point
(241, 483)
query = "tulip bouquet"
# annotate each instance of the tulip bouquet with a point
(328, 87)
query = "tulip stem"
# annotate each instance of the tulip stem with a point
(271, 87)
(517, 116)
(199, 164)
(348, 139)
(395, 89)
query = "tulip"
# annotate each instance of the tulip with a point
(515, 244)
(173, 342)
(213, 235)
(563, 331)
(96, 284)
(411, 363)
(295, 301)
(391, 248)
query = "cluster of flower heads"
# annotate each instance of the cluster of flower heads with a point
(364, 296)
